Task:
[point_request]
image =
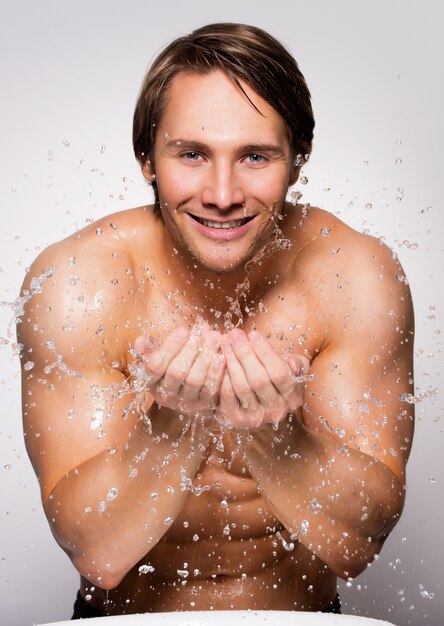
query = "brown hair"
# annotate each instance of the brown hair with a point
(243, 52)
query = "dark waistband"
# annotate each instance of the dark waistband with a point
(334, 607)
(83, 609)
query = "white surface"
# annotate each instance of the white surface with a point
(232, 618)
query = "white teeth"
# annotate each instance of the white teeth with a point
(233, 224)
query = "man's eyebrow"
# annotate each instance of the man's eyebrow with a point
(250, 148)
(187, 144)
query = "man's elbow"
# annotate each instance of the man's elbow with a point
(349, 559)
(103, 575)
(350, 563)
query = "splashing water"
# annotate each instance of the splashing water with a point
(238, 304)
(186, 484)
(420, 397)
(18, 307)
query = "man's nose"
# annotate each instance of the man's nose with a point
(223, 188)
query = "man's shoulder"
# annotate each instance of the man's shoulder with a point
(88, 278)
(328, 245)
(99, 248)
(352, 274)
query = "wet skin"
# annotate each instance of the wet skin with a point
(330, 302)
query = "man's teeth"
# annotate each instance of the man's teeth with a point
(233, 224)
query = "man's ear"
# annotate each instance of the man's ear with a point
(148, 172)
(294, 175)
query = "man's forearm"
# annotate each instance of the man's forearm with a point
(111, 510)
(339, 502)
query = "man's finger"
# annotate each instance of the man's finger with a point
(279, 372)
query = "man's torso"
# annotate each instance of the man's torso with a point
(226, 549)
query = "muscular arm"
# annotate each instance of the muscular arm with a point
(334, 473)
(110, 487)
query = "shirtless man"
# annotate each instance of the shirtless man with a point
(216, 412)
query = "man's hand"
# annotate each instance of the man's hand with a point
(259, 386)
(185, 372)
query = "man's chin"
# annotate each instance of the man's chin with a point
(221, 269)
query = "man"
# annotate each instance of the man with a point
(215, 411)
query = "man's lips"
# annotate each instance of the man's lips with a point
(222, 223)
(222, 229)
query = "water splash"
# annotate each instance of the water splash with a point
(186, 484)
(18, 305)
(420, 397)
(238, 304)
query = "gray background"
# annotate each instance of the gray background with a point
(70, 73)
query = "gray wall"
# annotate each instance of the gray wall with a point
(70, 72)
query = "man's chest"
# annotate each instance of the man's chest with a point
(287, 317)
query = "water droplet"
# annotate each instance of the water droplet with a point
(102, 506)
(303, 180)
(146, 569)
(262, 308)
(7, 466)
(183, 573)
(429, 595)
(325, 232)
(288, 546)
(28, 365)
(224, 504)
(398, 161)
(168, 521)
(112, 494)
(99, 231)
(369, 205)
(423, 395)
(402, 279)
(314, 506)
(295, 196)
(306, 210)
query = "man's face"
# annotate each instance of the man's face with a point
(222, 169)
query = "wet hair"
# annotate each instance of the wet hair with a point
(245, 53)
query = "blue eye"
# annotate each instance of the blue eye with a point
(191, 156)
(255, 158)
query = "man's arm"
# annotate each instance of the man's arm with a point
(111, 485)
(334, 472)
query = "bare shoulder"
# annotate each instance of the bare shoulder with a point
(350, 277)
(76, 289)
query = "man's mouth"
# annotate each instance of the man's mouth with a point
(222, 225)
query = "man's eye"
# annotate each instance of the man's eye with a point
(255, 158)
(191, 156)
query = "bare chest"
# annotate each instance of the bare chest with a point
(284, 315)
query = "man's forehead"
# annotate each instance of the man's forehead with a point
(210, 102)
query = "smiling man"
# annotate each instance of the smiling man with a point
(215, 412)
